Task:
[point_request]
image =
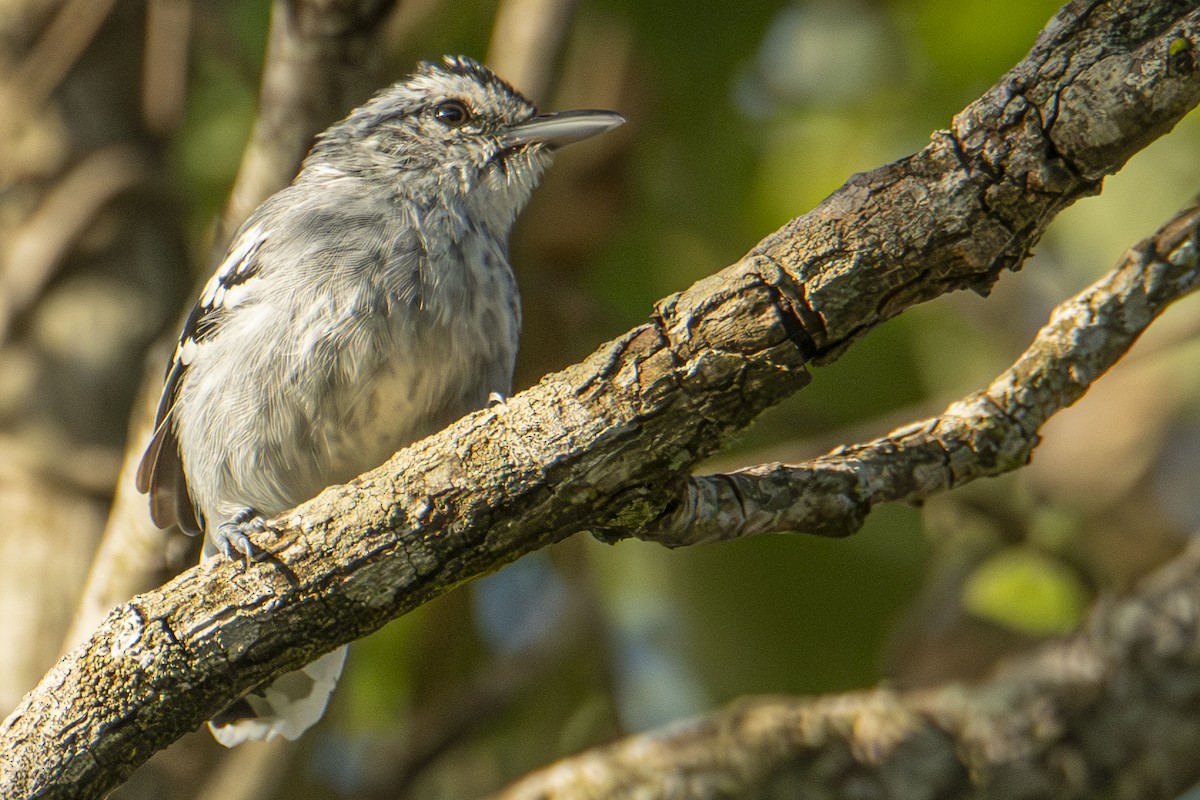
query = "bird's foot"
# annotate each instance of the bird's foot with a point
(497, 401)
(232, 538)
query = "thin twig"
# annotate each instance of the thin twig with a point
(58, 48)
(165, 64)
(527, 38)
(319, 63)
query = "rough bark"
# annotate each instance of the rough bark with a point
(988, 433)
(606, 445)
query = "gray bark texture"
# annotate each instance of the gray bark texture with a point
(988, 433)
(607, 445)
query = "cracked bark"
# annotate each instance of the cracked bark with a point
(988, 433)
(605, 445)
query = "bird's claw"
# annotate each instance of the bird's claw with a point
(233, 537)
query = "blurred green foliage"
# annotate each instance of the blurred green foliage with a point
(1027, 591)
(742, 116)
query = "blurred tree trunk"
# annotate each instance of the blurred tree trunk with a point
(91, 268)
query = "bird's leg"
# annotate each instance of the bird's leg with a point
(233, 536)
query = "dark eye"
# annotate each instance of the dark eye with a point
(452, 113)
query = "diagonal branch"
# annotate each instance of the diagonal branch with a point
(1116, 699)
(988, 433)
(605, 445)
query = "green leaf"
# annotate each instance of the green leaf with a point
(1026, 591)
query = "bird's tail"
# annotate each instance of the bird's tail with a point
(288, 707)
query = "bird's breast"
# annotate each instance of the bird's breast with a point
(408, 369)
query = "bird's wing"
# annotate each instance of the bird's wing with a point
(161, 470)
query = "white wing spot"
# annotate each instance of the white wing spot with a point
(247, 245)
(249, 242)
(187, 351)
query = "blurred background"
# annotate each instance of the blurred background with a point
(123, 130)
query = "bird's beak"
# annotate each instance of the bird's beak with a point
(563, 127)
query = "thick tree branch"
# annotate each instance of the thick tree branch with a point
(1117, 698)
(606, 444)
(988, 433)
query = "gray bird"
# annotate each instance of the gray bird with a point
(363, 307)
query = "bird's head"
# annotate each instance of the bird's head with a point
(454, 133)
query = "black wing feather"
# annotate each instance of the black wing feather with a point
(160, 472)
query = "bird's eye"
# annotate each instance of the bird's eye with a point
(452, 113)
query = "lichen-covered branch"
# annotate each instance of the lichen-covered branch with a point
(1116, 699)
(605, 445)
(988, 433)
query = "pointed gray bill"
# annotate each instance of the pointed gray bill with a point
(563, 127)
